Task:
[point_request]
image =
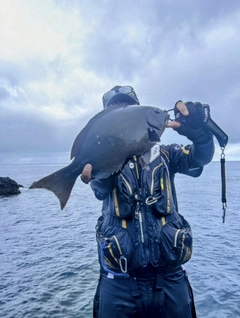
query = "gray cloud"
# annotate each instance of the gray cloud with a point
(167, 50)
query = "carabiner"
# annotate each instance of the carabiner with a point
(170, 110)
(150, 200)
(123, 267)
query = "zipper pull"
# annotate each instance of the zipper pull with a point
(138, 216)
(137, 208)
(141, 226)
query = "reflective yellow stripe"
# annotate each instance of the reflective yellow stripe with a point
(175, 237)
(168, 194)
(111, 252)
(182, 249)
(116, 202)
(163, 220)
(136, 166)
(184, 150)
(118, 245)
(108, 263)
(127, 184)
(162, 184)
(124, 223)
(166, 154)
(153, 172)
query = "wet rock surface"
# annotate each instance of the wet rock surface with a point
(9, 187)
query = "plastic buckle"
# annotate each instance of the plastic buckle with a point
(135, 295)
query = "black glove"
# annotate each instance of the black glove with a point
(193, 126)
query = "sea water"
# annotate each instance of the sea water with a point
(48, 257)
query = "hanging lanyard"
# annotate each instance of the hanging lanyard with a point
(223, 178)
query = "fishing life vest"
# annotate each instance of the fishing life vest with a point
(140, 224)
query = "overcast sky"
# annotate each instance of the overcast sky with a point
(57, 58)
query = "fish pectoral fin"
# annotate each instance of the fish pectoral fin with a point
(153, 135)
(101, 175)
(106, 174)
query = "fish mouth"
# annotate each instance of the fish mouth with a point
(155, 127)
(160, 124)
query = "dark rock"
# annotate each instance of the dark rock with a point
(9, 187)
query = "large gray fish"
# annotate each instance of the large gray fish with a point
(106, 142)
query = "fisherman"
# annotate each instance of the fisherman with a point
(142, 238)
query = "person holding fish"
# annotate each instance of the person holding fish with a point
(143, 240)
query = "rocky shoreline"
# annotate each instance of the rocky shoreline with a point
(9, 187)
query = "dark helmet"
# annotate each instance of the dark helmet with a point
(120, 94)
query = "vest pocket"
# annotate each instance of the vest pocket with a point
(160, 198)
(123, 198)
(116, 250)
(176, 242)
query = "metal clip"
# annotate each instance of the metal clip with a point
(123, 268)
(222, 153)
(170, 110)
(150, 200)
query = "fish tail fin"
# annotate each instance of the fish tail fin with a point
(60, 183)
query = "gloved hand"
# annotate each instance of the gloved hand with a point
(190, 119)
